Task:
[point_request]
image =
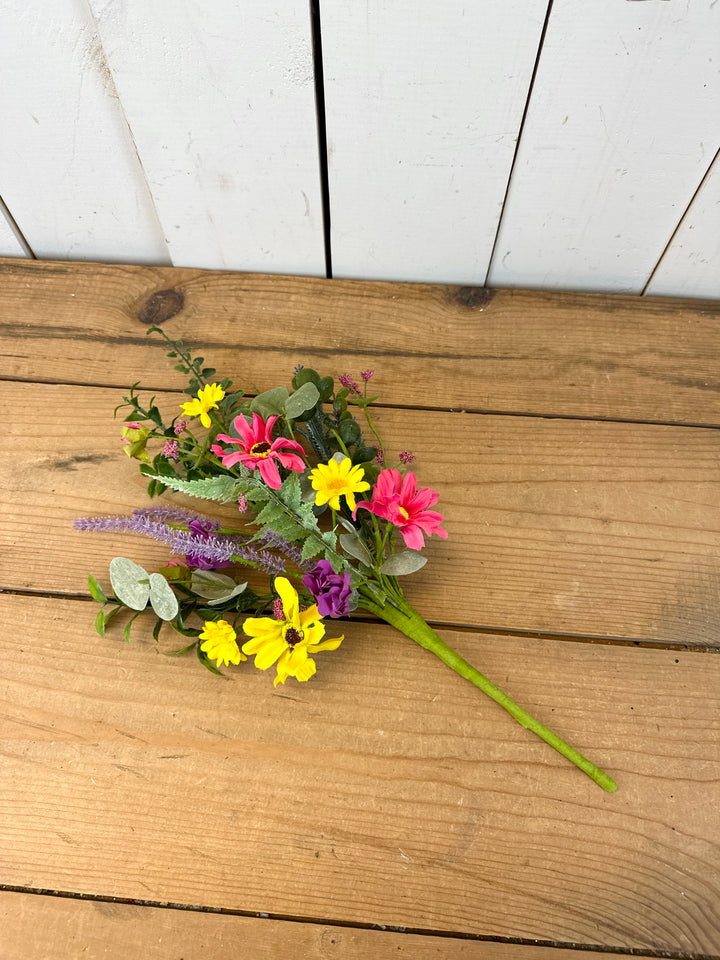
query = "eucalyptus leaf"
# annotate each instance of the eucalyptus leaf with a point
(162, 598)
(214, 587)
(125, 577)
(401, 564)
(240, 588)
(304, 398)
(352, 544)
(349, 431)
(307, 491)
(210, 585)
(270, 403)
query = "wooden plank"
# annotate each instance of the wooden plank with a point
(221, 103)
(590, 528)
(65, 135)
(423, 115)
(619, 132)
(690, 267)
(36, 927)
(446, 347)
(387, 790)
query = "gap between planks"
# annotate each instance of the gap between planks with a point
(377, 937)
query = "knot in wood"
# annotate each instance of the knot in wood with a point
(473, 297)
(162, 306)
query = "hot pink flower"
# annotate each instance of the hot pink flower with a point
(399, 501)
(257, 449)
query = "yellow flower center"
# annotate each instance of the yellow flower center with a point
(403, 513)
(260, 449)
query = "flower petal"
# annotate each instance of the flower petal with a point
(270, 473)
(289, 597)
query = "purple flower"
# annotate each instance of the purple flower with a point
(331, 590)
(205, 532)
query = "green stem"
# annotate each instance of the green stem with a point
(404, 618)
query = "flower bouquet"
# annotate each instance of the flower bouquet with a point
(324, 525)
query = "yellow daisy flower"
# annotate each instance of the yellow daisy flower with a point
(220, 642)
(289, 641)
(207, 399)
(333, 480)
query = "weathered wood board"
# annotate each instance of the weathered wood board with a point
(581, 575)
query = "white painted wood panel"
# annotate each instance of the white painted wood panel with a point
(690, 266)
(424, 103)
(10, 245)
(68, 169)
(623, 121)
(221, 101)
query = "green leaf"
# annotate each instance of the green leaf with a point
(350, 431)
(311, 548)
(125, 577)
(352, 544)
(178, 653)
(325, 387)
(156, 630)
(96, 591)
(223, 489)
(270, 403)
(205, 661)
(364, 454)
(214, 587)
(100, 622)
(291, 491)
(302, 400)
(112, 613)
(184, 631)
(162, 597)
(275, 517)
(306, 375)
(402, 564)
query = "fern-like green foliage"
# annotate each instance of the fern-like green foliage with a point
(223, 489)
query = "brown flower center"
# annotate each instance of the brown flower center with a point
(260, 449)
(292, 636)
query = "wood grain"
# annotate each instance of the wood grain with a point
(603, 173)
(431, 346)
(386, 791)
(420, 139)
(221, 104)
(597, 529)
(690, 267)
(33, 926)
(70, 173)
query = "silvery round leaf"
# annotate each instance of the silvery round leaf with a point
(304, 398)
(162, 599)
(125, 577)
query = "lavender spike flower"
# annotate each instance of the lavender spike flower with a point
(154, 522)
(291, 550)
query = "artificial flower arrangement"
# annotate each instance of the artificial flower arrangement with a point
(320, 512)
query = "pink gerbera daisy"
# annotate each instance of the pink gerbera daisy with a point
(258, 451)
(398, 500)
